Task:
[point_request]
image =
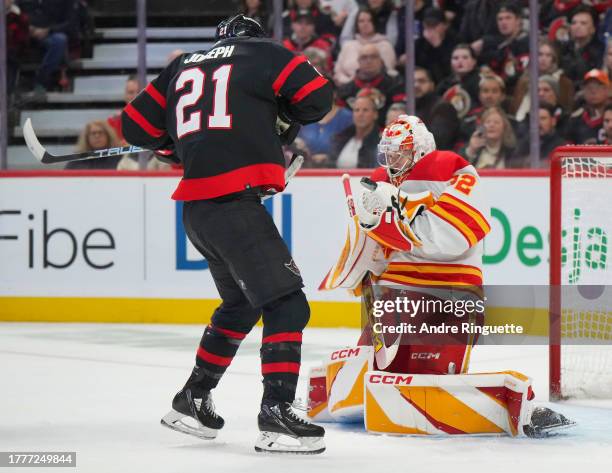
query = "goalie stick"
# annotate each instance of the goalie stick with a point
(383, 354)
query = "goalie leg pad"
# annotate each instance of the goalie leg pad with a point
(487, 403)
(344, 374)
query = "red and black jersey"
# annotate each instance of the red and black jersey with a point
(218, 109)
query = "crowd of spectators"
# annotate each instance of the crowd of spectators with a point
(49, 33)
(471, 77)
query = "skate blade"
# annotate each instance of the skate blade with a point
(176, 421)
(556, 430)
(268, 442)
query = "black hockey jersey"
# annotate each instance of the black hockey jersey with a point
(218, 108)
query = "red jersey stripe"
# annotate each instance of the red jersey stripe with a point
(229, 333)
(283, 337)
(278, 83)
(478, 231)
(309, 88)
(281, 367)
(435, 211)
(156, 95)
(214, 359)
(142, 122)
(265, 175)
(459, 203)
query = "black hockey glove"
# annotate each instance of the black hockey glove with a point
(286, 128)
(167, 153)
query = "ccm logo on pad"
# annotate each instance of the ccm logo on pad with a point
(389, 379)
(344, 353)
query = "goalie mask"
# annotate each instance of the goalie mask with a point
(404, 142)
(239, 25)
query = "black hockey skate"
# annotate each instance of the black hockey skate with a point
(193, 414)
(277, 420)
(545, 423)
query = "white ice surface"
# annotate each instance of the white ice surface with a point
(100, 390)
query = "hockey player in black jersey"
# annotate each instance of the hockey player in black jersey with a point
(223, 114)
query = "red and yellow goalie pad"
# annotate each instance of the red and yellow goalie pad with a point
(484, 403)
(336, 389)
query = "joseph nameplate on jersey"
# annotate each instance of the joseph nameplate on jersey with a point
(221, 51)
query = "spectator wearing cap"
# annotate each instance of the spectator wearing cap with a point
(434, 49)
(385, 21)
(304, 36)
(507, 53)
(439, 116)
(461, 87)
(584, 50)
(356, 146)
(493, 145)
(548, 64)
(550, 137)
(347, 62)
(584, 124)
(324, 26)
(606, 138)
(371, 74)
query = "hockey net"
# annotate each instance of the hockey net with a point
(581, 273)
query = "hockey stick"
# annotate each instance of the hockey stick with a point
(383, 354)
(40, 153)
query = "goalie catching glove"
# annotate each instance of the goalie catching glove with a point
(385, 214)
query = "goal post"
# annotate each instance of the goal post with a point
(580, 337)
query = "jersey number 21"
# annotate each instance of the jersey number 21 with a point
(219, 119)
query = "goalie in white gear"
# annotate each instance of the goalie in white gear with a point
(424, 210)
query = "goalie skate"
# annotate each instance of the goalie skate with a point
(282, 431)
(193, 415)
(546, 423)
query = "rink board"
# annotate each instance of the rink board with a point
(98, 247)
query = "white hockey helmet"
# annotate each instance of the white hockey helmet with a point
(403, 142)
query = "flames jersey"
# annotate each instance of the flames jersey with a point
(451, 231)
(218, 109)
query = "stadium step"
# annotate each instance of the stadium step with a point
(207, 33)
(53, 123)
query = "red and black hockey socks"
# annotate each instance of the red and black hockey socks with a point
(215, 353)
(281, 346)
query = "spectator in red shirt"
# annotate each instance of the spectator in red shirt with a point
(132, 88)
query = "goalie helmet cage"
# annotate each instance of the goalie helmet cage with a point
(580, 337)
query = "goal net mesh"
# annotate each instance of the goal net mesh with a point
(586, 277)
